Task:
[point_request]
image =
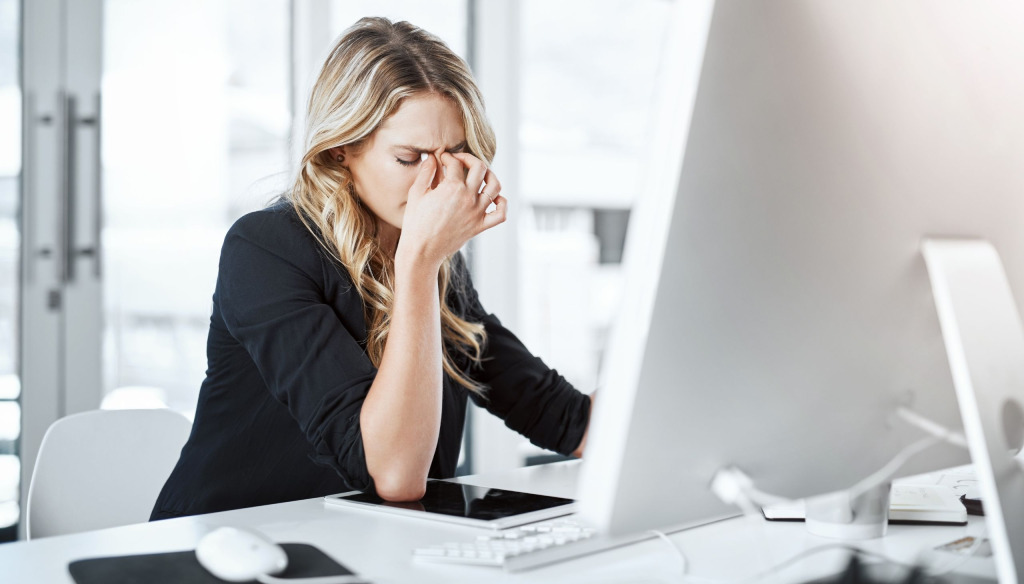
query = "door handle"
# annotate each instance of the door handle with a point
(69, 202)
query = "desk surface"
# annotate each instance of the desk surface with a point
(380, 546)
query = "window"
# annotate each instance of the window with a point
(589, 69)
(197, 120)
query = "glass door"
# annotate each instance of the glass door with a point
(10, 251)
(57, 216)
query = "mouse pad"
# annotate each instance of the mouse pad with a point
(304, 561)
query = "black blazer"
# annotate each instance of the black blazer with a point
(278, 413)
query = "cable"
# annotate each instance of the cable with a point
(679, 551)
(932, 427)
(780, 566)
(885, 474)
(734, 487)
(938, 432)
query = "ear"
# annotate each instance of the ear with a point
(337, 152)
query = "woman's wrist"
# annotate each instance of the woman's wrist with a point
(415, 264)
(416, 259)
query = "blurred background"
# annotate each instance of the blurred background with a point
(133, 133)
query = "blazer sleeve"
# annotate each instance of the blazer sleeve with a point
(271, 295)
(531, 398)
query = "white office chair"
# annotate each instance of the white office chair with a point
(102, 468)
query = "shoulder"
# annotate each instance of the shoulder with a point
(277, 222)
(278, 231)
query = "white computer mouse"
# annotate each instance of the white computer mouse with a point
(240, 555)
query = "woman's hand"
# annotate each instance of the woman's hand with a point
(439, 221)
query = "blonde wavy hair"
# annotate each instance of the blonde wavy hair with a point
(374, 65)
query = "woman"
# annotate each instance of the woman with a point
(346, 335)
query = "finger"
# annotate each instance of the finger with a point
(425, 177)
(452, 167)
(498, 215)
(491, 190)
(477, 170)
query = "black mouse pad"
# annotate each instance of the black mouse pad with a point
(304, 561)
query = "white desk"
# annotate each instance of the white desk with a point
(379, 546)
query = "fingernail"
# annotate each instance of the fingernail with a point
(423, 156)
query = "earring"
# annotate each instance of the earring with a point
(340, 158)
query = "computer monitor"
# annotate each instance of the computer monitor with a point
(779, 311)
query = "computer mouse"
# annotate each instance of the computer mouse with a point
(240, 555)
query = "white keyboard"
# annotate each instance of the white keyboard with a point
(524, 547)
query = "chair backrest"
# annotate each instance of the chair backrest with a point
(102, 468)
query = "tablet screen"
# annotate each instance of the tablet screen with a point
(468, 501)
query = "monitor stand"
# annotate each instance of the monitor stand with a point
(981, 327)
(838, 516)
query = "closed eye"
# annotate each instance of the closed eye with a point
(414, 152)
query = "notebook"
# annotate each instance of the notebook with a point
(908, 504)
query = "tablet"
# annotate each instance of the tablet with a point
(464, 504)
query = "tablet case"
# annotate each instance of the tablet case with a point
(304, 561)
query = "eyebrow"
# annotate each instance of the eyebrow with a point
(418, 150)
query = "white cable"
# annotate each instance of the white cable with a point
(734, 487)
(679, 551)
(885, 474)
(932, 427)
(938, 433)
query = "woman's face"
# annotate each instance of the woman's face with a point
(385, 166)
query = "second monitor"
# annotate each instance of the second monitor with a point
(781, 314)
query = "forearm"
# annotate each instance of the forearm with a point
(578, 453)
(401, 416)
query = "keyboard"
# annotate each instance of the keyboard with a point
(526, 547)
